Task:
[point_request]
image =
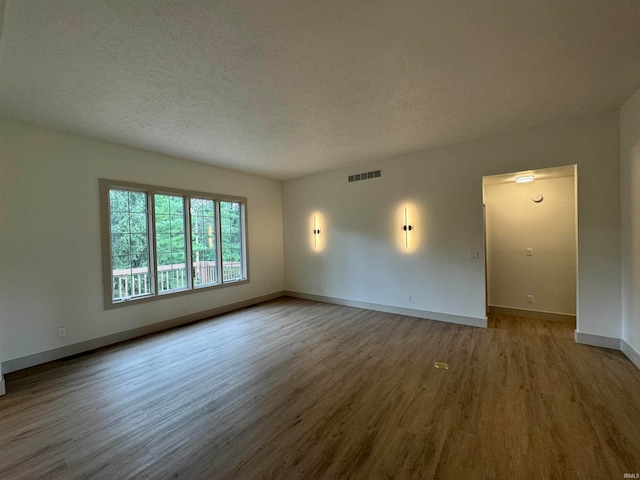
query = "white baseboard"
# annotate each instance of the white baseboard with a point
(597, 340)
(520, 312)
(480, 322)
(609, 342)
(630, 352)
(77, 348)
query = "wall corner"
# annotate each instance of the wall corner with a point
(630, 352)
(596, 340)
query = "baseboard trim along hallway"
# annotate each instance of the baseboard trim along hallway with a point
(552, 316)
(597, 340)
(609, 342)
(480, 322)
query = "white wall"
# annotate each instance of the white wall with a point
(362, 262)
(514, 223)
(630, 192)
(50, 255)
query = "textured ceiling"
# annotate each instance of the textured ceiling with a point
(286, 88)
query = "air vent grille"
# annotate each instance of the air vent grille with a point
(365, 176)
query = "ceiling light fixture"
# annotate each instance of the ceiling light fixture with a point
(525, 179)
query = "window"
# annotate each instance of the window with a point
(171, 246)
(203, 242)
(232, 245)
(150, 232)
(129, 244)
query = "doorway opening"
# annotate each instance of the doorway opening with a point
(530, 220)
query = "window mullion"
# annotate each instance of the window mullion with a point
(151, 218)
(243, 239)
(219, 237)
(186, 200)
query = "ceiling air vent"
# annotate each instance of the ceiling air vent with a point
(365, 176)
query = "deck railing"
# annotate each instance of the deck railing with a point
(129, 283)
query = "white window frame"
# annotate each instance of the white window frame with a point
(151, 190)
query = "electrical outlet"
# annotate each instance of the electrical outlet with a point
(62, 331)
(474, 255)
(321, 288)
(408, 297)
(529, 298)
(529, 252)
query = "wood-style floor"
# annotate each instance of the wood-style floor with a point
(293, 389)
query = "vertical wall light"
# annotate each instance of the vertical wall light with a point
(409, 227)
(406, 228)
(316, 232)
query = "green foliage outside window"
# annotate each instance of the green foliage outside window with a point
(231, 231)
(129, 238)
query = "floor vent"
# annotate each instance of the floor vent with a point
(365, 176)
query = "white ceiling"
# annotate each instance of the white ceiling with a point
(284, 88)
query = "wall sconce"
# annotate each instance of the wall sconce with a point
(316, 232)
(406, 228)
(525, 178)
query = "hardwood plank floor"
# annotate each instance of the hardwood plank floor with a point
(295, 389)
